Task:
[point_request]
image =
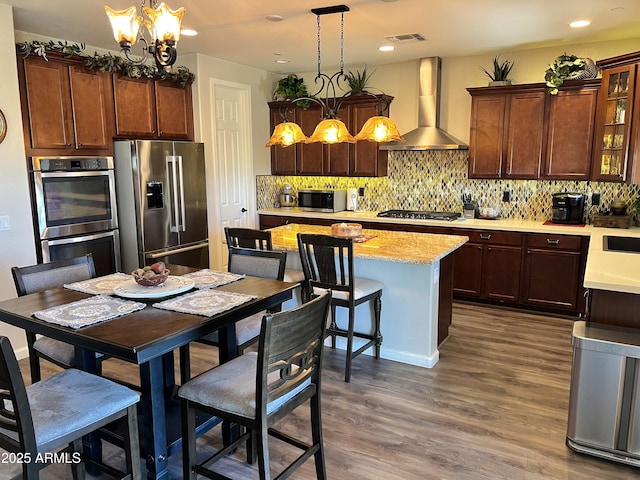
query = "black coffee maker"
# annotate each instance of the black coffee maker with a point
(568, 207)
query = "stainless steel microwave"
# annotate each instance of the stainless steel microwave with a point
(317, 200)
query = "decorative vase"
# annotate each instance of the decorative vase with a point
(590, 70)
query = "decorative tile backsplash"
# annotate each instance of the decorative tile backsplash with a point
(436, 180)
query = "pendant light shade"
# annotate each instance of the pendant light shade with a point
(165, 23)
(125, 24)
(331, 130)
(379, 129)
(286, 134)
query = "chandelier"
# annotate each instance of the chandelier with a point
(162, 24)
(331, 129)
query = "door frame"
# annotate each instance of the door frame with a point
(216, 236)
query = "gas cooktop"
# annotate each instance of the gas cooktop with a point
(420, 215)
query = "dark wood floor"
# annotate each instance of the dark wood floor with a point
(494, 407)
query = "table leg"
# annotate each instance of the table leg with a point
(153, 434)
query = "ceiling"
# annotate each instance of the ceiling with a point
(239, 31)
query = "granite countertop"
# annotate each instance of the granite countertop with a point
(386, 245)
(515, 225)
(605, 270)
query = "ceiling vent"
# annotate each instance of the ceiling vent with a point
(406, 38)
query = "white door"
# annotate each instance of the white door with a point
(235, 185)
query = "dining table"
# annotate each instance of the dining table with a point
(148, 338)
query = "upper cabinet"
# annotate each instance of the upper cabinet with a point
(67, 109)
(617, 122)
(362, 159)
(522, 132)
(146, 108)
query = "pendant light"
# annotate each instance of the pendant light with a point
(162, 24)
(331, 129)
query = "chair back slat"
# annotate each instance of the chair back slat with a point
(43, 276)
(327, 261)
(290, 350)
(248, 238)
(257, 263)
(16, 425)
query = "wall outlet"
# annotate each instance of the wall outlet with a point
(4, 223)
(506, 196)
(595, 199)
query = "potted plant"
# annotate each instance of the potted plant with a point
(290, 88)
(358, 81)
(500, 73)
(569, 67)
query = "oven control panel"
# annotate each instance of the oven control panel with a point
(71, 164)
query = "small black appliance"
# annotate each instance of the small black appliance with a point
(568, 208)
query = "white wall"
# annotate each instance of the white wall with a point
(17, 245)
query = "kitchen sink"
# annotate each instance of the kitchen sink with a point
(621, 244)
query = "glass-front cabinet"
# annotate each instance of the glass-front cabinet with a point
(615, 145)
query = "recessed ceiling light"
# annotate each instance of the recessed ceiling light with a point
(282, 60)
(386, 48)
(580, 23)
(617, 9)
(188, 32)
(275, 18)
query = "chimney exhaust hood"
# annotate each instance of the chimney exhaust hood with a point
(428, 135)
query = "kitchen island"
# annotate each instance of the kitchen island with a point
(416, 269)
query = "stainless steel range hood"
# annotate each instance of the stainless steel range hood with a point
(428, 135)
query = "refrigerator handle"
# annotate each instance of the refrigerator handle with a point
(183, 222)
(171, 164)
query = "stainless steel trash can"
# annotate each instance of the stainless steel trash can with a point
(604, 408)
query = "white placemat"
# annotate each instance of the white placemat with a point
(101, 285)
(207, 278)
(89, 311)
(205, 302)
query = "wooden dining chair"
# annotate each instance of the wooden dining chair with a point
(260, 240)
(256, 263)
(52, 416)
(40, 277)
(327, 262)
(258, 389)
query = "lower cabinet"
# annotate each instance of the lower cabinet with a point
(554, 272)
(488, 266)
(531, 270)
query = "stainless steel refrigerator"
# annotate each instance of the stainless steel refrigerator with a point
(162, 203)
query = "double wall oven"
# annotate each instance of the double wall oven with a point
(75, 213)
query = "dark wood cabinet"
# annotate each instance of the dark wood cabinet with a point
(617, 146)
(554, 272)
(363, 158)
(145, 108)
(570, 127)
(67, 109)
(521, 131)
(488, 266)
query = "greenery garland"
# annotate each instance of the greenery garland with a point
(106, 62)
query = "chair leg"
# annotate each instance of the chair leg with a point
(132, 444)
(347, 370)
(333, 325)
(264, 467)
(377, 308)
(188, 441)
(78, 470)
(316, 432)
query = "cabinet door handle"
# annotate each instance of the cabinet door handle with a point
(528, 252)
(69, 144)
(553, 241)
(79, 145)
(485, 236)
(161, 133)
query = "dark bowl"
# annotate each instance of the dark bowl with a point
(151, 281)
(619, 210)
